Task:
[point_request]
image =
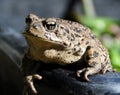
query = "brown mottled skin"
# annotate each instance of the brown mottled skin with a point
(63, 42)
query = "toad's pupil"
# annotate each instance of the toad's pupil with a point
(50, 26)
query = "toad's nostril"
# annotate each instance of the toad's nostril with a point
(28, 20)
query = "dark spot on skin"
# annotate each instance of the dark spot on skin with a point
(105, 57)
(89, 47)
(64, 44)
(82, 39)
(92, 36)
(77, 29)
(93, 63)
(69, 52)
(74, 49)
(102, 49)
(64, 33)
(72, 37)
(62, 27)
(85, 29)
(51, 39)
(78, 44)
(58, 54)
(87, 43)
(57, 33)
(57, 58)
(95, 54)
(77, 52)
(77, 35)
(36, 35)
(69, 44)
(46, 35)
(67, 31)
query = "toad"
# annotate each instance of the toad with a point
(54, 40)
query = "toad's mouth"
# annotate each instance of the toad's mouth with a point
(44, 41)
(47, 37)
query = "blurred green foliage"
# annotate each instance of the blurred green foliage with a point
(105, 30)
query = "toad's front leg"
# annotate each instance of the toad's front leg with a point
(29, 83)
(29, 68)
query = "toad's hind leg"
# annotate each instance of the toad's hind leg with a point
(87, 71)
(107, 67)
(93, 61)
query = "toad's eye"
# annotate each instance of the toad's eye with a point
(50, 24)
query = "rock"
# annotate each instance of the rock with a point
(64, 82)
(57, 80)
(11, 80)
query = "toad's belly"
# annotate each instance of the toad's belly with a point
(53, 56)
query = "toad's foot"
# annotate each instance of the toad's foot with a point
(29, 83)
(86, 71)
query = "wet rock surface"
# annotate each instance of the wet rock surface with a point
(56, 79)
(107, 84)
(11, 81)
